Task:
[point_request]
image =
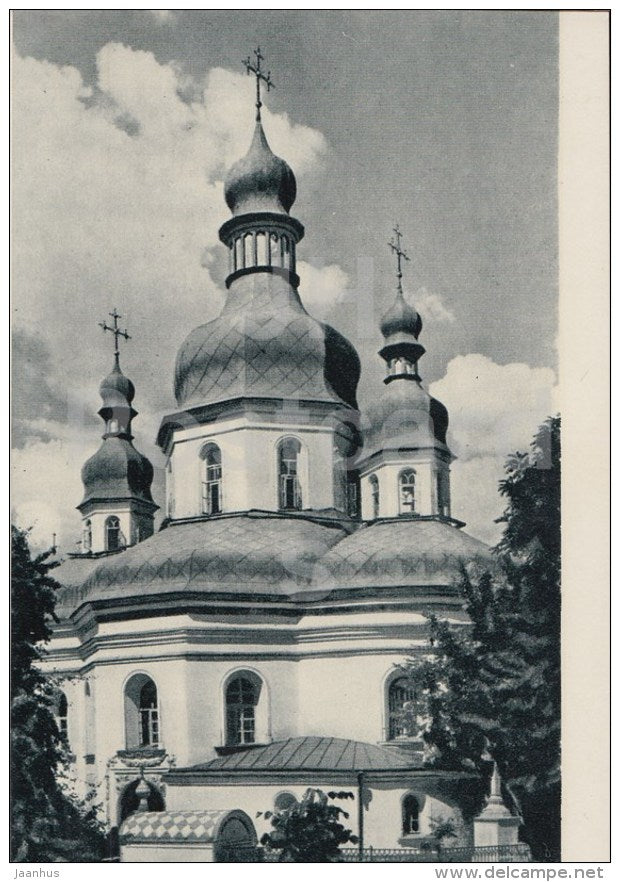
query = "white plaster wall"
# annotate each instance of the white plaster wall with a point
(388, 476)
(249, 465)
(107, 686)
(167, 853)
(343, 696)
(276, 715)
(382, 816)
(98, 519)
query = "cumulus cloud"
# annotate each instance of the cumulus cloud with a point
(494, 410)
(118, 192)
(118, 196)
(431, 306)
(321, 289)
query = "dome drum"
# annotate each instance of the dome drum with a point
(262, 242)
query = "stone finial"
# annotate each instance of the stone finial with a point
(143, 791)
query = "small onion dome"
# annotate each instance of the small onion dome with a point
(405, 416)
(117, 470)
(116, 389)
(401, 319)
(261, 181)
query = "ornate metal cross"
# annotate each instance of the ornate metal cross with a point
(256, 70)
(114, 329)
(400, 254)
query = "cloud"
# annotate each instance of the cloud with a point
(321, 289)
(117, 201)
(494, 411)
(431, 306)
(123, 186)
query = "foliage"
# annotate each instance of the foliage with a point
(49, 823)
(496, 687)
(309, 831)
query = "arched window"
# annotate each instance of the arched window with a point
(353, 497)
(288, 474)
(212, 483)
(88, 536)
(411, 814)
(142, 723)
(62, 715)
(400, 693)
(284, 800)
(406, 491)
(374, 495)
(149, 715)
(112, 533)
(241, 701)
(443, 494)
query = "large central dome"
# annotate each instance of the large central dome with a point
(265, 345)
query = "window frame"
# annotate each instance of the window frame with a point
(241, 715)
(62, 715)
(109, 526)
(411, 818)
(395, 729)
(143, 721)
(375, 495)
(289, 481)
(406, 508)
(211, 480)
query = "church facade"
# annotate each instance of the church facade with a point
(250, 648)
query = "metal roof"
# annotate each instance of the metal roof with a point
(313, 753)
(402, 551)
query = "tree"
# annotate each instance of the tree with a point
(495, 687)
(48, 822)
(309, 831)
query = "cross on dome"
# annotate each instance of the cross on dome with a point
(114, 329)
(400, 254)
(256, 70)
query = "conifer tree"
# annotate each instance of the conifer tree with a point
(48, 823)
(495, 686)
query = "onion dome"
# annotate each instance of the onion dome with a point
(405, 417)
(117, 471)
(401, 326)
(265, 345)
(116, 389)
(401, 319)
(261, 181)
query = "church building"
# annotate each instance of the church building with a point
(250, 647)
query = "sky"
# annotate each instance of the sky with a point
(123, 126)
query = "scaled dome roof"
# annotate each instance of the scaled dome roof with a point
(117, 470)
(408, 552)
(260, 555)
(405, 417)
(264, 344)
(260, 181)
